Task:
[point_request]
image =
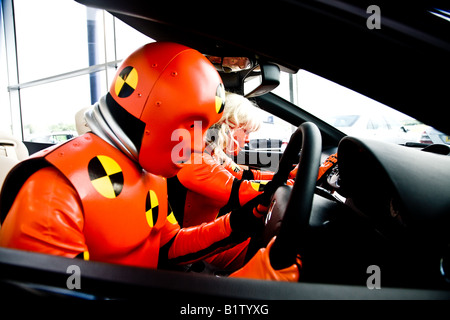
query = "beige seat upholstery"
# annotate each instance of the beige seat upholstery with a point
(80, 121)
(12, 151)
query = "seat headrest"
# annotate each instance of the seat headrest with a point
(80, 121)
(11, 147)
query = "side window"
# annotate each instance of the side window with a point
(66, 58)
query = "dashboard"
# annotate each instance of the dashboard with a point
(397, 185)
(394, 211)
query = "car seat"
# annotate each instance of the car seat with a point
(80, 121)
(12, 151)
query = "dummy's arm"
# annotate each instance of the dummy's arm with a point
(211, 179)
(196, 243)
(253, 174)
(247, 174)
(199, 242)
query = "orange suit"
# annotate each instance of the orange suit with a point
(112, 210)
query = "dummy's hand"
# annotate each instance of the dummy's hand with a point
(269, 190)
(248, 219)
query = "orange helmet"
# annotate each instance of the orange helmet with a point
(171, 94)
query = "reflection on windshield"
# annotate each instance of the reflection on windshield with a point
(343, 121)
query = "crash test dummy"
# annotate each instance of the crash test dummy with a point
(103, 195)
(214, 184)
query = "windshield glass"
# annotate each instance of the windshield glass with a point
(352, 113)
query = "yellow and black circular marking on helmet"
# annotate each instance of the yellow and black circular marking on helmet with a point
(151, 208)
(106, 176)
(259, 185)
(220, 98)
(126, 82)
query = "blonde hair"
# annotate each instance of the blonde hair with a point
(237, 114)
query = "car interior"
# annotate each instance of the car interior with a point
(383, 205)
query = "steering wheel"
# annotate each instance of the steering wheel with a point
(290, 222)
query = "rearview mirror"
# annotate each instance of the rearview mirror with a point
(261, 79)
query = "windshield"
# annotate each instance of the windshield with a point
(352, 113)
(343, 121)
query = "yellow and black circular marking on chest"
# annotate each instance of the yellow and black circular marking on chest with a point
(151, 208)
(126, 82)
(259, 185)
(106, 176)
(220, 98)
